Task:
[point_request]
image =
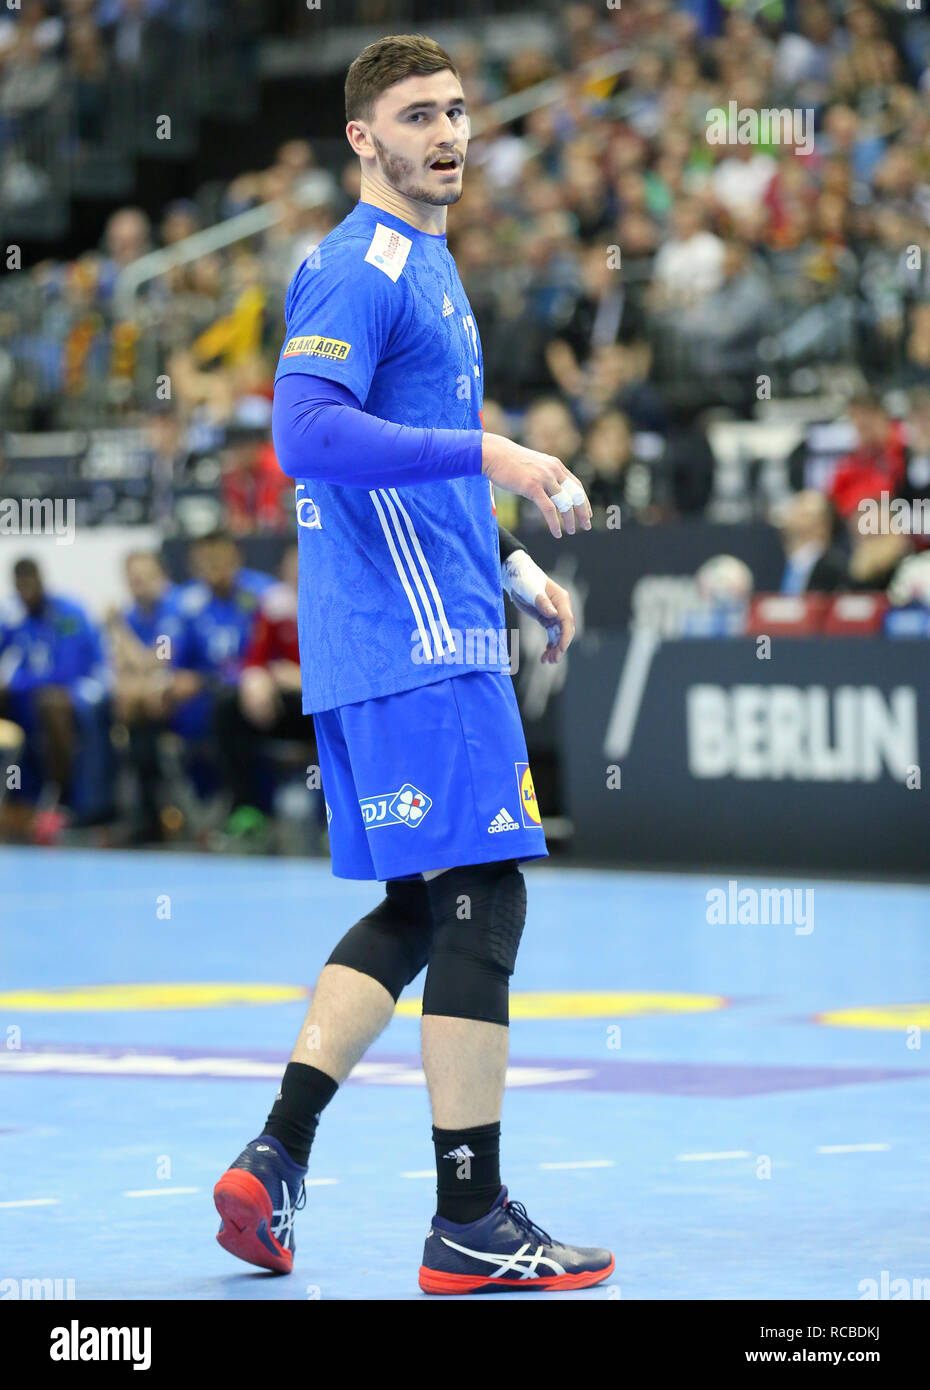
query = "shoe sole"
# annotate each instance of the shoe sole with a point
(245, 1207)
(438, 1281)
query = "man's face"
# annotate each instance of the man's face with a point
(218, 565)
(807, 519)
(870, 425)
(145, 578)
(419, 137)
(29, 588)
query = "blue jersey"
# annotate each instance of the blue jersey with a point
(399, 586)
(163, 619)
(215, 631)
(59, 646)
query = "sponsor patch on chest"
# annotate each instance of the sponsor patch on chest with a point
(388, 250)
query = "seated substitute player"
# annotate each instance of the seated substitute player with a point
(142, 636)
(422, 754)
(54, 684)
(266, 702)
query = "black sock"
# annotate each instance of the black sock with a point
(304, 1092)
(468, 1168)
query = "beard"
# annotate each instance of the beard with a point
(401, 174)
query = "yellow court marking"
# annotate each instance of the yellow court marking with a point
(595, 1004)
(878, 1016)
(194, 995)
(183, 995)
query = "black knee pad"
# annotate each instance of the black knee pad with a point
(391, 944)
(478, 918)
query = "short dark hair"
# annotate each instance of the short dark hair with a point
(217, 537)
(26, 568)
(387, 61)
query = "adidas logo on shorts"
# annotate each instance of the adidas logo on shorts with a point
(502, 821)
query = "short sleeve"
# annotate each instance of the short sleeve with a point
(343, 314)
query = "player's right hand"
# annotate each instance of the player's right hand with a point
(540, 478)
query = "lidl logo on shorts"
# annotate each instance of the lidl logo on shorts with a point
(529, 806)
(315, 345)
(406, 807)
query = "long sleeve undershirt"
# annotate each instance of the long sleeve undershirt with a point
(320, 431)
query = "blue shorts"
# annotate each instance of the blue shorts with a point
(431, 778)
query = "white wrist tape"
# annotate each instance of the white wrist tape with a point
(522, 577)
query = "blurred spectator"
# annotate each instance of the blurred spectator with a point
(54, 685)
(142, 635)
(87, 68)
(741, 179)
(618, 485)
(723, 331)
(812, 563)
(167, 458)
(802, 62)
(256, 494)
(877, 465)
(689, 264)
(549, 428)
(180, 220)
(126, 237)
(616, 377)
(604, 311)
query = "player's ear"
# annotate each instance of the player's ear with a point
(359, 138)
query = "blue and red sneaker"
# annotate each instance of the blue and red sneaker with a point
(257, 1198)
(505, 1250)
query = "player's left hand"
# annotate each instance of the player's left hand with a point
(534, 593)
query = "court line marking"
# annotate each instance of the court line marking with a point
(161, 1191)
(581, 1163)
(700, 1158)
(851, 1148)
(33, 1202)
(420, 1173)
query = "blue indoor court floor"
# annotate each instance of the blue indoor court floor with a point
(738, 1111)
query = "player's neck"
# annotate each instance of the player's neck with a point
(422, 216)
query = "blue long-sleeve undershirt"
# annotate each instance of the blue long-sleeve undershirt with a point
(320, 431)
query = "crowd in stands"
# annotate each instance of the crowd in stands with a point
(72, 73)
(628, 274)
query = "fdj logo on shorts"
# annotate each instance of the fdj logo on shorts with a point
(406, 807)
(529, 806)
